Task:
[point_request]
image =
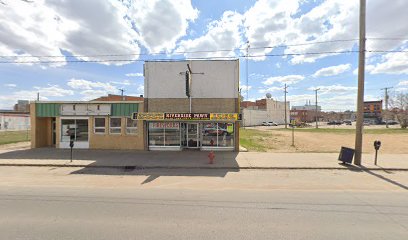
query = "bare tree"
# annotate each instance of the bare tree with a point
(399, 108)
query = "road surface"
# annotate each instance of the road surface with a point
(58, 204)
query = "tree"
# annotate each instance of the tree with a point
(399, 105)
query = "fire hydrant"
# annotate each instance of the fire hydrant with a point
(211, 157)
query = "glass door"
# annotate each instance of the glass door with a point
(192, 135)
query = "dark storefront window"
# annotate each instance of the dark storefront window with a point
(76, 127)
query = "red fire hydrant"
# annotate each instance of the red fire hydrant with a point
(211, 157)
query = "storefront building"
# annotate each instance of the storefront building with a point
(94, 125)
(186, 105)
(191, 105)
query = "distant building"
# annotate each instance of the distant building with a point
(22, 106)
(305, 113)
(264, 110)
(14, 121)
(373, 111)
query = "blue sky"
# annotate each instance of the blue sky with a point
(85, 30)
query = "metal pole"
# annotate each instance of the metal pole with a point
(376, 152)
(386, 97)
(247, 78)
(360, 94)
(286, 117)
(316, 117)
(293, 136)
(71, 154)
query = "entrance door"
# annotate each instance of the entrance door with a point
(192, 135)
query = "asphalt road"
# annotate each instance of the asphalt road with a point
(86, 210)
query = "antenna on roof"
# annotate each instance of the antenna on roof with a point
(121, 93)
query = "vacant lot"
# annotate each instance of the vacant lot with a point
(269, 139)
(7, 137)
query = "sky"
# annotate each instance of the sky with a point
(80, 50)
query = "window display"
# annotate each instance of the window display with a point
(76, 127)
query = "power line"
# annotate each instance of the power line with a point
(178, 59)
(181, 52)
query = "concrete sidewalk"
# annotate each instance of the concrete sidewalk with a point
(194, 159)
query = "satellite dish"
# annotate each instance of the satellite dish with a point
(268, 95)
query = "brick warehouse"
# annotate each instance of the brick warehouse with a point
(186, 105)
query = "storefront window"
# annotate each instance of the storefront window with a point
(172, 134)
(156, 134)
(218, 134)
(131, 126)
(225, 135)
(209, 134)
(99, 125)
(76, 127)
(115, 125)
(164, 134)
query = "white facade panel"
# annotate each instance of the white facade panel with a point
(85, 109)
(210, 79)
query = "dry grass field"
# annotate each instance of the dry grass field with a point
(272, 139)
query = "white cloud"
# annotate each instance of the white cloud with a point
(403, 83)
(7, 101)
(270, 89)
(221, 35)
(338, 89)
(134, 74)
(124, 82)
(332, 71)
(267, 23)
(10, 85)
(244, 88)
(45, 27)
(140, 89)
(161, 23)
(289, 79)
(392, 63)
(90, 89)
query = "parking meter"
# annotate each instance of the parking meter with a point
(71, 143)
(377, 145)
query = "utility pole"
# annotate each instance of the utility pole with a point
(360, 93)
(247, 78)
(386, 97)
(38, 96)
(316, 113)
(286, 117)
(121, 93)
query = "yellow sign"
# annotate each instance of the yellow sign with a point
(148, 116)
(223, 116)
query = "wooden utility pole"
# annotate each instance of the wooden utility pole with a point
(286, 117)
(360, 93)
(316, 110)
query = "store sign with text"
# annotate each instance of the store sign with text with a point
(187, 116)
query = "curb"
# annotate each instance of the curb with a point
(136, 167)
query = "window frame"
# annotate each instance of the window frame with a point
(114, 128)
(131, 128)
(95, 127)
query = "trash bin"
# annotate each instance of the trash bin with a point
(346, 155)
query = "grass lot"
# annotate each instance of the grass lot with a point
(7, 137)
(254, 140)
(330, 140)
